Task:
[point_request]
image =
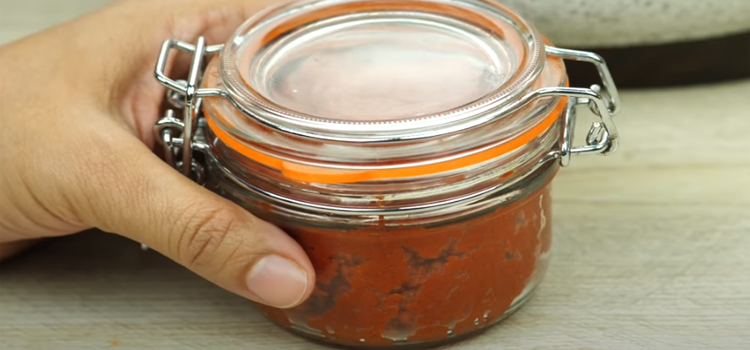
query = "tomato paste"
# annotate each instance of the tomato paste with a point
(410, 285)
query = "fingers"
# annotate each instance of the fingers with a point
(216, 20)
(148, 24)
(83, 166)
(132, 193)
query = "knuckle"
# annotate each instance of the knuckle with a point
(205, 235)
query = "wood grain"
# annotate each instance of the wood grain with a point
(651, 249)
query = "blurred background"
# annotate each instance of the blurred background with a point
(647, 43)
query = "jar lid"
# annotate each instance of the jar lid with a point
(341, 91)
(380, 70)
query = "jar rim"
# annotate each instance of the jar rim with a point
(514, 37)
(510, 120)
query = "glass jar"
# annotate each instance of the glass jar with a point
(407, 145)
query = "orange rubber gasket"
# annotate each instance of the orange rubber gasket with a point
(309, 173)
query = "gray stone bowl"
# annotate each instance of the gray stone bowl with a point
(624, 23)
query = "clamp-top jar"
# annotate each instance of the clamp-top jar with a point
(407, 145)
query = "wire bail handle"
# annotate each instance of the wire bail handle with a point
(604, 102)
(185, 95)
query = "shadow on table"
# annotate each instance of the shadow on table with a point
(107, 282)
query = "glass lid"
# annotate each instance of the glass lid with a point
(366, 68)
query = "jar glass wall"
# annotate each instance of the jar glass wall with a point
(399, 282)
(408, 146)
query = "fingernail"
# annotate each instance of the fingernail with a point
(277, 281)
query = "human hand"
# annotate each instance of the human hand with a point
(77, 106)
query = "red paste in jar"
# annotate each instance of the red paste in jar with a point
(385, 286)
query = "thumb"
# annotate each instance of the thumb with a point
(135, 194)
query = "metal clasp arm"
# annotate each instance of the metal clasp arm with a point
(161, 65)
(190, 101)
(613, 96)
(604, 102)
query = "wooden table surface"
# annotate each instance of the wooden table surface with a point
(651, 249)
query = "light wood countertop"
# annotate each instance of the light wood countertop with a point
(651, 249)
